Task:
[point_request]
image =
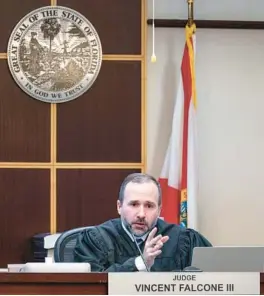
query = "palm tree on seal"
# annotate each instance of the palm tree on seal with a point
(50, 28)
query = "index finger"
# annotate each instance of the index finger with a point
(151, 234)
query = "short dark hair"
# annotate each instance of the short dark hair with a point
(138, 178)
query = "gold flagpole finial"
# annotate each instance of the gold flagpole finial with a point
(190, 12)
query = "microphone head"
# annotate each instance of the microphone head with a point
(192, 269)
(127, 225)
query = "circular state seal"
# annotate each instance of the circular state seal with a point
(54, 54)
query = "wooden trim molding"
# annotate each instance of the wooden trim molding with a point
(208, 24)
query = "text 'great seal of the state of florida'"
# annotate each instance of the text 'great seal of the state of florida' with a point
(54, 54)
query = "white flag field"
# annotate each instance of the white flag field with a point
(179, 175)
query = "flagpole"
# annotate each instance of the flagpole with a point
(190, 12)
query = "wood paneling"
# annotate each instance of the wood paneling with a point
(53, 284)
(11, 12)
(88, 196)
(24, 211)
(118, 23)
(104, 125)
(24, 123)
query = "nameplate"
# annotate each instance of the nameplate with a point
(201, 283)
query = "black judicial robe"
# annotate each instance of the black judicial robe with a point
(108, 248)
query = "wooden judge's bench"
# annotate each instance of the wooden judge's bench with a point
(54, 283)
(61, 284)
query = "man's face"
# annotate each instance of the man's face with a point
(140, 206)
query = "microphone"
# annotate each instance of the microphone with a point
(141, 255)
(192, 269)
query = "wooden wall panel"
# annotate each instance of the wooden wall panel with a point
(10, 14)
(24, 211)
(88, 196)
(104, 125)
(118, 23)
(24, 122)
(61, 165)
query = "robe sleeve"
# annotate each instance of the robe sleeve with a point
(98, 250)
(188, 240)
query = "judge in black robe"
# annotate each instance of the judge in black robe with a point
(110, 247)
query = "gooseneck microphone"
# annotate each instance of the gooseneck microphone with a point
(141, 255)
(192, 269)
